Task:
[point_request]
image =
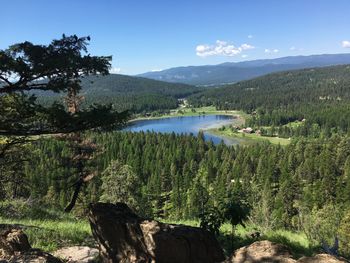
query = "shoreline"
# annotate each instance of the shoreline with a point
(235, 117)
(198, 112)
(249, 138)
(239, 118)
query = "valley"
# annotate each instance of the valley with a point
(95, 159)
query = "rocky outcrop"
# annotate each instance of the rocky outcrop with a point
(32, 256)
(125, 237)
(14, 247)
(77, 254)
(269, 252)
(322, 258)
(13, 240)
(262, 251)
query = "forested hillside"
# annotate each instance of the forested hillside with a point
(130, 93)
(173, 176)
(319, 96)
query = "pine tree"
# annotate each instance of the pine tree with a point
(120, 184)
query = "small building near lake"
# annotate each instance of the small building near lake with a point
(246, 130)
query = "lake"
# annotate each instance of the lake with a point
(186, 125)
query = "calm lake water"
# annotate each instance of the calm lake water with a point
(186, 125)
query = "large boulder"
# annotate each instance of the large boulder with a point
(125, 237)
(269, 252)
(262, 251)
(15, 248)
(13, 240)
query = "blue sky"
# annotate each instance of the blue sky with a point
(153, 34)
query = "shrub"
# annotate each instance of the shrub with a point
(344, 234)
(27, 209)
(120, 184)
(212, 219)
(321, 225)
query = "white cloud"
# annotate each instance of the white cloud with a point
(156, 70)
(221, 48)
(250, 36)
(246, 47)
(345, 44)
(114, 70)
(293, 48)
(269, 51)
(244, 56)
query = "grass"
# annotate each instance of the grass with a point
(49, 235)
(47, 228)
(50, 229)
(249, 138)
(297, 242)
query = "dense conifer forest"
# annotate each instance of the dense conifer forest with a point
(181, 177)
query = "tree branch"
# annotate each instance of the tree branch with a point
(5, 80)
(76, 192)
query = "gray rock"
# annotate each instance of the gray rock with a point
(262, 251)
(125, 237)
(269, 252)
(322, 258)
(15, 248)
(77, 254)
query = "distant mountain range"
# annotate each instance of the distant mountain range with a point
(232, 72)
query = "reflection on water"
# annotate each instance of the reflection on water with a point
(186, 125)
